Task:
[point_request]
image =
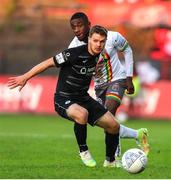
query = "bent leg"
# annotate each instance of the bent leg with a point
(80, 116)
(111, 128)
(78, 113)
(112, 105)
(108, 123)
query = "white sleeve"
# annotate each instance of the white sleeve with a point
(129, 62)
(121, 44)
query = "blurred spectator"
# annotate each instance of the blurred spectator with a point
(147, 73)
(162, 50)
(3, 63)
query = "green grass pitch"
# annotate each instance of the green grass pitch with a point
(33, 146)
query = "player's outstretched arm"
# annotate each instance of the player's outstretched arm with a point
(14, 82)
(20, 81)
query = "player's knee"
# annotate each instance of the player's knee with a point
(82, 117)
(113, 128)
(109, 123)
(78, 114)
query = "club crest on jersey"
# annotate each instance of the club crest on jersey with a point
(66, 55)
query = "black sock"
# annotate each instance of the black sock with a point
(111, 141)
(81, 136)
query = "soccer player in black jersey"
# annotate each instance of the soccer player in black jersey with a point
(111, 81)
(71, 98)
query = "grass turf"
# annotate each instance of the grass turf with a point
(33, 146)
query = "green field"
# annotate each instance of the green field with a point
(33, 146)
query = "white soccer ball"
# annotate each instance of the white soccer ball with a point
(134, 160)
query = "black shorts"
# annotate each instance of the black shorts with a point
(95, 109)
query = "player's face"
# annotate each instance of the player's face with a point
(96, 43)
(80, 29)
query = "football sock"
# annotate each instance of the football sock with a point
(126, 132)
(118, 149)
(111, 141)
(81, 136)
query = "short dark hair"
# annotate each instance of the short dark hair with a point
(99, 30)
(80, 15)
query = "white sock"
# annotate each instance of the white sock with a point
(126, 132)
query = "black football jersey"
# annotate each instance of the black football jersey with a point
(77, 68)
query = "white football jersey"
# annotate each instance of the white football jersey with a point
(109, 67)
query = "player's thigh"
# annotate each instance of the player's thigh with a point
(114, 95)
(69, 109)
(95, 110)
(112, 105)
(78, 113)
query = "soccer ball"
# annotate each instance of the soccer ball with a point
(134, 160)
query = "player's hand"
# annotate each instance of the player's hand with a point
(130, 86)
(18, 81)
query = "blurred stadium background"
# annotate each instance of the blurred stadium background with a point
(33, 30)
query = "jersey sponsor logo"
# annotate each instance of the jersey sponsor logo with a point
(59, 58)
(84, 70)
(87, 71)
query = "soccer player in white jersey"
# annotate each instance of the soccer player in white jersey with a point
(111, 81)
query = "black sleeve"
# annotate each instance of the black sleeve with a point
(66, 57)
